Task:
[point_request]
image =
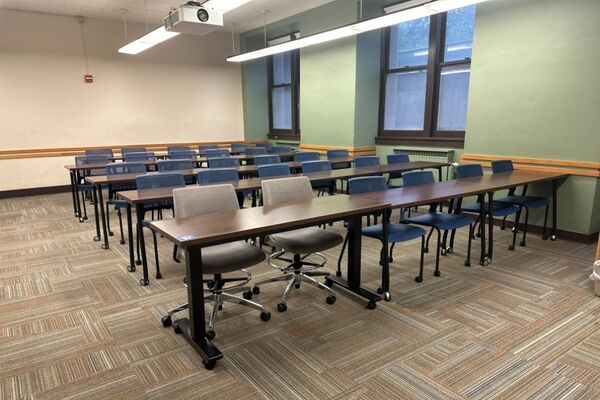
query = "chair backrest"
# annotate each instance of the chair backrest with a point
(216, 175)
(265, 145)
(238, 147)
(276, 191)
(204, 147)
(269, 170)
(340, 153)
(414, 178)
(127, 150)
(224, 162)
(101, 159)
(125, 168)
(174, 165)
(142, 156)
(182, 155)
(366, 161)
(316, 166)
(255, 151)
(307, 156)
(198, 200)
(366, 184)
(177, 148)
(397, 158)
(468, 170)
(154, 181)
(267, 159)
(281, 149)
(99, 152)
(502, 166)
(213, 153)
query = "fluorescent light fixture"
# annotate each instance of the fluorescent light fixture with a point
(224, 5)
(153, 38)
(416, 9)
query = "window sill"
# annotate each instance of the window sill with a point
(284, 136)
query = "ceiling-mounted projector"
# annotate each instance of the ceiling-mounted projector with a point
(193, 18)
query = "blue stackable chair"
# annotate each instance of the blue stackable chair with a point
(273, 170)
(127, 150)
(239, 147)
(219, 175)
(267, 159)
(319, 166)
(182, 155)
(438, 221)
(155, 181)
(99, 152)
(396, 159)
(214, 153)
(303, 156)
(281, 149)
(177, 148)
(224, 162)
(266, 145)
(522, 201)
(397, 232)
(499, 208)
(203, 147)
(139, 156)
(366, 161)
(338, 153)
(86, 189)
(256, 151)
(176, 165)
(119, 169)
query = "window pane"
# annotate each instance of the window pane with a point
(454, 92)
(405, 101)
(282, 108)
(409, 43)
(282, 68)
(459, 34)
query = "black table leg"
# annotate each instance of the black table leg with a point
(72, 178)
(95, 201)
(131, 266)
(554, 208)
(482, 256)
(440, 173)
(352, 283)
(139, 211)
(385, 274)
(193, 328)
(490, 251)
(102, 217)
(77, 202)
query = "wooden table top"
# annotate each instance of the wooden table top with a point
(215, 228)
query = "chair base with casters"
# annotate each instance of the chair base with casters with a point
(225, 258)
(499, 209)
(526, 203)
(301, 243)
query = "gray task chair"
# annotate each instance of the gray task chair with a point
(299, 242)
(220, 259)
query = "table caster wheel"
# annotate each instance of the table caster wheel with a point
(467, 263)
(387, 296)
(437, 273)
(111, 234)
(419, 279)
(256, 290)
(105, 247)
(511, 248)
(177, 329)
(265, 315)
(121, 242)
(166, 321)
(144, 282)
(247, 294)
(138, 262)
(131, 268)
(96, 238)
(443, 251)
(208, 365)
(330, 299)
(281, 307)
(553, 238)
(371, 305)
(523, 244)
(158, 276)
(211, 334)
(449, 250)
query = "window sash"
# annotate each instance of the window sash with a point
(294, 132)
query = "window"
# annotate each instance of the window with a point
(425, 80)
(283, 95)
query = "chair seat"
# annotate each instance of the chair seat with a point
(396, 232)
(527, 201)
(230, 257)
(499, 208)
(306, 240)
(119, 203)
(442, 221)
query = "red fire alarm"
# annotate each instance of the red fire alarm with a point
(88, 78)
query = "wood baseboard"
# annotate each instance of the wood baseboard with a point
(40, 191)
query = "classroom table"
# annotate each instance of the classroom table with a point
(194, 233)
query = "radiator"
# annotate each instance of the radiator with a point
(446, 156)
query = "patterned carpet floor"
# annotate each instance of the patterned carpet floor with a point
(74, 324)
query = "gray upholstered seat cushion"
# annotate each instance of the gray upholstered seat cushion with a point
(306, 240)
(230, 257)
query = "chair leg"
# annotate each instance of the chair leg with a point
(288, 291)
(419, 278)
(475, 225)
(524, 240)
(452, 235)
(515, 230)
(110, 233)
(339, 264)
(83, 200)
(429, 237)
(503, 226)
(544, 235)
(437, 254)
(391, 259)
(175, 250)
(158, 274)
(217, 302)
(468, 260)
(137, 245)
(119, 214)
(318, 284)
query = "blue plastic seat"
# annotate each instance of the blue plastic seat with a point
(397, 158)
(273, 170)
(303, 156)
(99, 152)
(239, 147)
(174, 165)
(267, 159)
(255, 151)
(265, 145)
(203, 147)
(319, 166)
(437, 220)
(224, 162)
(218, 175)
(366, 161)
(522, 201)
(281, 149)
(177, 148)
(337, 154)
(139, 156)
(214, 153)
(397, 232)
(126, 150)
(182, 155)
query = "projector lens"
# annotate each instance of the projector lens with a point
(202, 15)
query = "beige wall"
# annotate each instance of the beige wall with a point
(181, 90)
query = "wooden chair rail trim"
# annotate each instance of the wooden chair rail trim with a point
(534, 161)
(352, 151)
(570, 171)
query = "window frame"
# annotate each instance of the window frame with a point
(294, 132)
(430, 135)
